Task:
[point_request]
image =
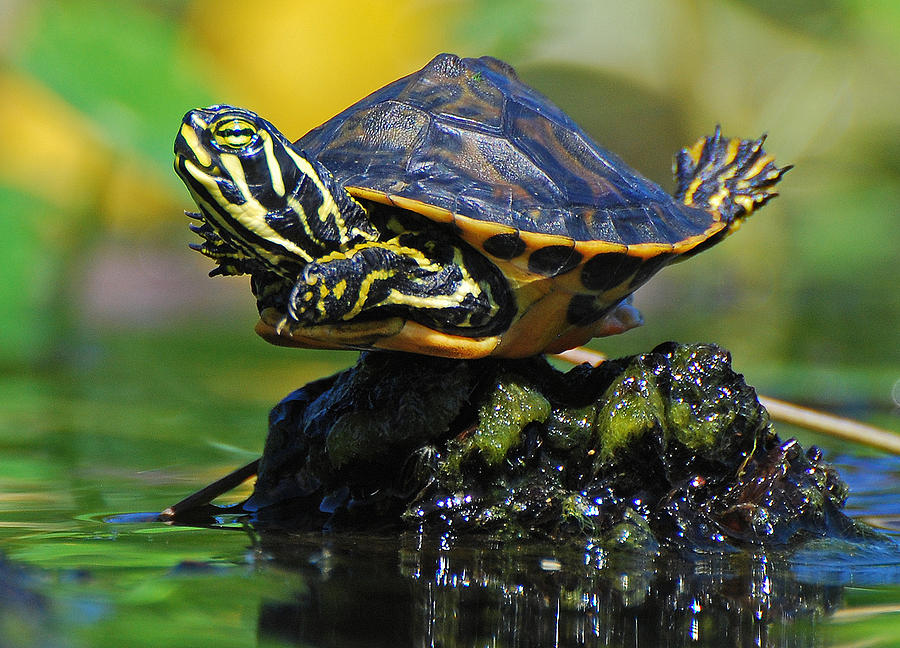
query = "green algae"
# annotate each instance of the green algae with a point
(688, 405)
(508, 407)
(511, 405)
(571, 427)
(634, 408)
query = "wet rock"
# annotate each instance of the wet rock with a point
(665, 449)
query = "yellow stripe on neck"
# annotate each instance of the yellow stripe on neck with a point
(251, 215)
(328, 208)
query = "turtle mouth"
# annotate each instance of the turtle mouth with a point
(189, 144)
(194, 173)
(193, 162)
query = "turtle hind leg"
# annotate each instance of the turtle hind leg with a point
(728, 177)
(433, 287)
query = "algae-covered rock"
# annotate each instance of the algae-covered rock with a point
(667, 448)
(360, 427)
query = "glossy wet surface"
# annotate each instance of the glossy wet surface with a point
(125, 429)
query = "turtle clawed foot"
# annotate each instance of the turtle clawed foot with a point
(311, 275)
(285, 326)
(302, 302)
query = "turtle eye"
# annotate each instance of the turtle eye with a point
(233, 133)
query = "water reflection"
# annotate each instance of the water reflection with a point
(365, 592)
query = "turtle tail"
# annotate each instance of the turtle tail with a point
(727, 177)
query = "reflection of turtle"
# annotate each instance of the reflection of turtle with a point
(455, 212)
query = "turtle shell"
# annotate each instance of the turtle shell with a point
(464, 140)
(572, 228)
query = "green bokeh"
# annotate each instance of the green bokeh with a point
(121, 64)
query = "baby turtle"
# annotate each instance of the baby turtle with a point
(455, 212)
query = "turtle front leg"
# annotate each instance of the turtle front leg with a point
(432, 284)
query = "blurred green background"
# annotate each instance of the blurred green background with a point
(95, 266)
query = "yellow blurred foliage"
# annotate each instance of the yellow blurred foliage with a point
(137, 199)
(63, 158)
(58, 156)
(299, 63)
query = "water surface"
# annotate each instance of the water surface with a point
(116, 428)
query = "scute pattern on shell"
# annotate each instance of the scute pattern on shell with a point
(468, 136)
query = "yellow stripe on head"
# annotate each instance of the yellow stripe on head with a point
(297, 208)
(272, 163)
(190, 136)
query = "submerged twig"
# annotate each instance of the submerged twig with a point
(836, 426)
(779, 410)
(208, 493)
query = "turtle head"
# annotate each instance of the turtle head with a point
(254, 191)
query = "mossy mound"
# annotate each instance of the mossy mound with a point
(668, 448)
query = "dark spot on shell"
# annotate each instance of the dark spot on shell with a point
(553, 260)
(649, 268)
(504, 246)
(608, 270)
(584, 309)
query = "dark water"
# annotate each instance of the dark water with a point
(119, 428)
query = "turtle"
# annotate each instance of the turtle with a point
(455, 212)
